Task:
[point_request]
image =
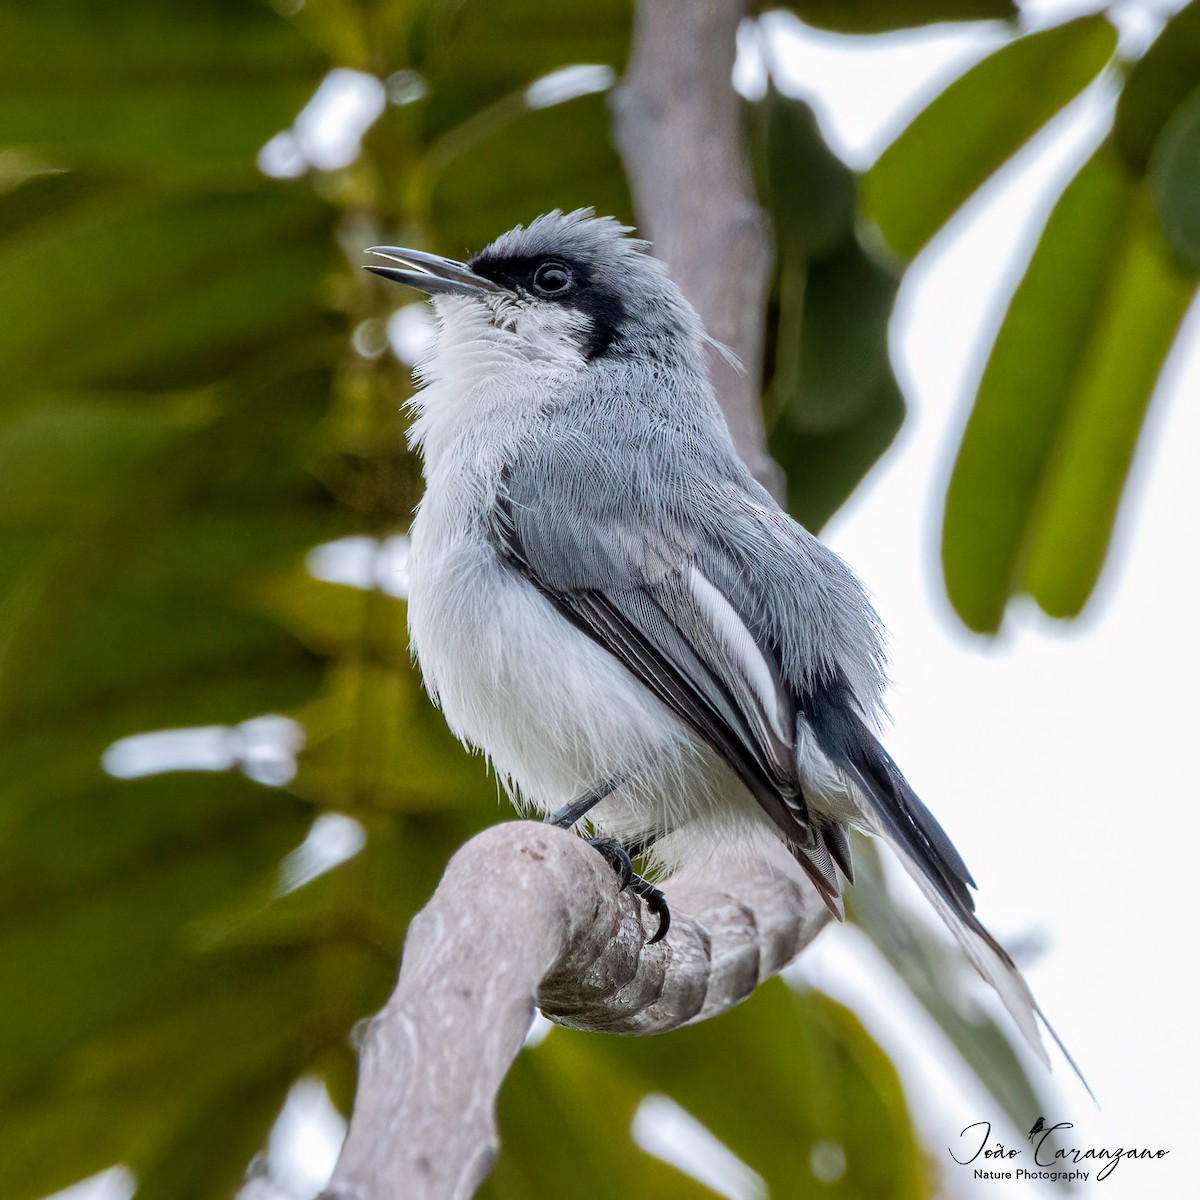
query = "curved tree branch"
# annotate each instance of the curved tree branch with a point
(527, 913)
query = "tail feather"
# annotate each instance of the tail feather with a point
(891, 809)
(820, 863)
(838, 844)
(987, 956)
(993, 962)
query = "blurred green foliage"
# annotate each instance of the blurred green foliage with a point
(916, 186)
(1043, 462)
(1045, 453)
(185, 415)
(832, 402)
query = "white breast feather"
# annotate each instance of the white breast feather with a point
(554, 711)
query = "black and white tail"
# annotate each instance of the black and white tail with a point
(893, 811)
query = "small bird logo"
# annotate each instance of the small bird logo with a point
(1039, 1126)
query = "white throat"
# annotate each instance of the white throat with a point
(490, 364)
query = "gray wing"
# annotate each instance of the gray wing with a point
(746, 628)
(640, 588)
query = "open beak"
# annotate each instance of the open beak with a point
(431, 273)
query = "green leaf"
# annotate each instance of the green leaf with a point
(565, 1113)
(880, 16)
(187, 90)
(134, 595)
(808, 1078)
(836, 402)
(1175, 179)
(560, 157)
(375, 735)
(824, 469)
(339, 620)
(1044, 456)
(144, 290)
(1159, 82)
(117, 825)
(207, 1155)
(476, 53)
(247, 1021)
(807, 1073)
(807, 190)
(1077, 508)
(975, 124)
(124, 948)
(128, 631)
(41, 196)
(127, 638)
(58, 454)
(841, 358)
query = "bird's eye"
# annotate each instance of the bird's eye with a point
(551, 279)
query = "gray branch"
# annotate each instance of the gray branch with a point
(678, 126)
(528, 913)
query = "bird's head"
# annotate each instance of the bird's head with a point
(567, 282)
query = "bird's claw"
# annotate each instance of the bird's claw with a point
(618, 858)
(656, 902)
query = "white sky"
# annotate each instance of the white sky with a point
(1053, 755)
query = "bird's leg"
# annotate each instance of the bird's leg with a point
(616, 854)
(566, 816)
(619, 856)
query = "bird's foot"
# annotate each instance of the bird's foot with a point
(656, 902)
(618, 858)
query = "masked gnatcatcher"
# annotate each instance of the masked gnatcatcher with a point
(604, 600)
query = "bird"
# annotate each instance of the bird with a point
(604, 601)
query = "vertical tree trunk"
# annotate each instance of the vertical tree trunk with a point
(678, 126)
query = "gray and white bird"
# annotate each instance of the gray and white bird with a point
(605, 601)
